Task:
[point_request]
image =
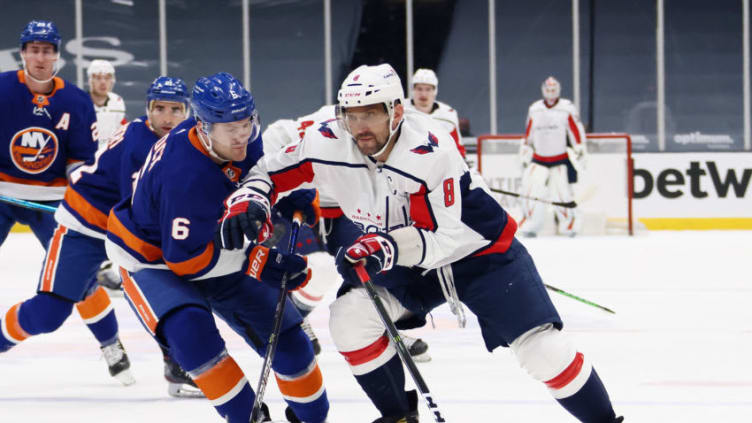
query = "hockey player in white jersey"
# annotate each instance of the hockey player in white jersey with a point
(425, 89)
(551, 153)
(433, 234)
(333, 231)
(110, 107)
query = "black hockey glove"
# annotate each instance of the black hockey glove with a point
(269, 266)
(304, 200)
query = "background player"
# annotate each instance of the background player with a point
(49, 128)
(333, 231)
(110, 107)
(174, 277)
(425, 89)
(434, 235)
(554, 146)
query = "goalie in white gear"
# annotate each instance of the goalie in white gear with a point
(328, 235)
(110, 107)
(424, 91)
(551, 153)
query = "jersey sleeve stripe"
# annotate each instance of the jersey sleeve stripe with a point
(75, 201)
(57, 182)
(421, 212)
(148, 251)
(193, 265)
(293, 176)
(575, 130)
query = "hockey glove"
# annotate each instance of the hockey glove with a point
(269, 266)
(246, 215)
(376, 251)
(305, 200)
(525, 154)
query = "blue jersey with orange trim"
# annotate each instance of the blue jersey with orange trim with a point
(106, 179)
(41, 136)
(172, 216)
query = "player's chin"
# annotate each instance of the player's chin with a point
(238, 154)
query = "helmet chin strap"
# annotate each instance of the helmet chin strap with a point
(206, 140)
(41, 81)
(391, 134)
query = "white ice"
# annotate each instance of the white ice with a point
(678, 349)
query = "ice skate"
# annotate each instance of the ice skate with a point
(118, 363)
(417, 347)
(179, 384)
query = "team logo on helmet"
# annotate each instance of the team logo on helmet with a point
(34, 149)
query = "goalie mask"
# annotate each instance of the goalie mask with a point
(369, 85)
(551, 89)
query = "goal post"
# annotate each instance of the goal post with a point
(604, 188)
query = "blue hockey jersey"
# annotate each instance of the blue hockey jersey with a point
(172, 216)
(42, 135)
(106, 179)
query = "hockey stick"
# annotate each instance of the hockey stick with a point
(399, 345)
(580, 299)
(28, 204)
(279, 312)
(567, 204)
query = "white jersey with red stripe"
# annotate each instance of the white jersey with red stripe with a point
(110, 117)
(445, 115)
(424, 195)
(549, 129)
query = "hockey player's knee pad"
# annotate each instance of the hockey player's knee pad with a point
(192, 336)
(353, 321)
(44, 313)
(544, 352)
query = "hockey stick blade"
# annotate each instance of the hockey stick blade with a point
(580, 299)
(565, 204)
(28, 204)
(402, 350)
(279, 314)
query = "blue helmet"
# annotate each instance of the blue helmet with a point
(222, 98)
(166, 88)
(44, 31)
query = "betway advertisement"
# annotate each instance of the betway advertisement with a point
(693, 185)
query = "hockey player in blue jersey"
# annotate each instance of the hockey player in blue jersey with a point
(433, 235)
(49, 126)
(175, 277)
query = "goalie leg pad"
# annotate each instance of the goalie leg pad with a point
(548, 356)
(534, 184)
(570, 220)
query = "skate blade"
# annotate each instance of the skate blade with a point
(421, 358)
(125, 377)
(182, 390)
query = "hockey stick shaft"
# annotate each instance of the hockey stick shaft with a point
(565, 204)
(580, 299)
(279, 313)
(28, 204)
(399, 345)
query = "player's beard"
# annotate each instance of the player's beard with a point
(372, 145)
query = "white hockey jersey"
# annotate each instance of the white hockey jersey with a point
(445, 115)
(423, 195)
(110, 117)
(548, 130)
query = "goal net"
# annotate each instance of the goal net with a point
(603, 190)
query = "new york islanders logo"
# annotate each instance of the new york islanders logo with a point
(326, 130)
(427, 148)
(34, 149)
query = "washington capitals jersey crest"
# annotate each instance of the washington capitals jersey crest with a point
(170, 220)
(428, 147)
(104, 180)
(326, 130)
(41, 135)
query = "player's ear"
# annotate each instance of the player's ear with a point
(399, 111)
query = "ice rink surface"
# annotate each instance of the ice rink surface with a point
(678, 349)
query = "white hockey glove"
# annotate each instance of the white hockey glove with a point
(578, 157)
(526, 155)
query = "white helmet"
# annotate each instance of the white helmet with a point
(99, 66)
(426, 76)
(368, 85)
(551, 89)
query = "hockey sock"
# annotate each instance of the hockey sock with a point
(196, 345)
(591, 403)
(42, 313)
(299, 377)
(97, 312)
(385, 386)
